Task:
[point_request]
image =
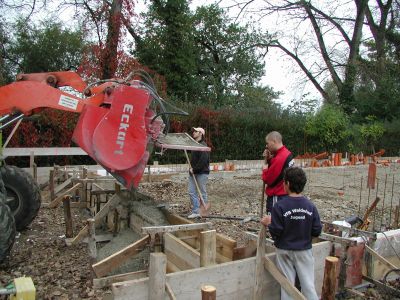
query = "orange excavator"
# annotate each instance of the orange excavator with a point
(120, 121)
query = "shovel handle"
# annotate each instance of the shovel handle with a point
(262, 201)
(195, 181)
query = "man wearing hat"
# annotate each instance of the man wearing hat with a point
(200, 168)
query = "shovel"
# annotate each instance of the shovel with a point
(262, 201)
(204, 208)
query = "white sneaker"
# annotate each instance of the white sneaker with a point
(193, 216)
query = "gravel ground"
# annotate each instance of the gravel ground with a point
(61, 272)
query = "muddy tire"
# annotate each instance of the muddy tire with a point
(23, 195)
(7, 230)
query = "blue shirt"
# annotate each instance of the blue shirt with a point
(294, 221)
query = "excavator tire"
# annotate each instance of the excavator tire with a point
(23, 195)
(7, 230)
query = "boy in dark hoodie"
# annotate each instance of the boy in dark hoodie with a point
(293, 223)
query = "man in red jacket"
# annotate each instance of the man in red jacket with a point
(277, 159)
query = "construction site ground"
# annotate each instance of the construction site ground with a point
(61, 272)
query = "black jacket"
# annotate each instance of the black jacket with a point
(200, 161)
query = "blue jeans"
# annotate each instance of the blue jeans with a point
(194, 197)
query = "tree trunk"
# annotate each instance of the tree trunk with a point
(109, 57)
(346, 93)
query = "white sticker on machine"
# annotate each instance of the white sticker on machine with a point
(68, 102)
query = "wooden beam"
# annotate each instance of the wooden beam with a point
(59, 199)
(173, 228)
(258, 276)
(330, 278)
(282, 280)
(157, 279)
(115, 260)
(53, 151)
(99, 283)
(208, 249)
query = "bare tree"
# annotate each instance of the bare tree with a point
(317, 24)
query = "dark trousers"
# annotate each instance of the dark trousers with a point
(271, 200)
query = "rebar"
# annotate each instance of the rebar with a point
(383, 202)
(359, 202)
(376, 196)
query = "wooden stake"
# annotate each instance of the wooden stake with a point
(396, 217)
(330, 278)
(208, 292)
(157, 276)
(69, 233)
(257, 293)
(208, 248)
(51, 185)
(262, 201)
(34, 171)
(92, 240)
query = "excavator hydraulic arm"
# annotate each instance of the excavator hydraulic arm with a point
(117, 126)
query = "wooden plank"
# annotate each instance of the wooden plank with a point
(171, 267)
(283, 281)
(380, 258)
(62, 186)
(115, 260)
(246, 251)
(225, 245)
(208, 250)
(173, 228)
(113, 202)
(157, 278)
(233, 280)
(169, 291)
(259, 271)
(99, 283)
(53, 151)
(183, 256)
(58, 200)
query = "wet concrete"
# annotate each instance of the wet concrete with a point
(144, 210)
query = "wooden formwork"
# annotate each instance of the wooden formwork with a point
(195, 256)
